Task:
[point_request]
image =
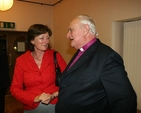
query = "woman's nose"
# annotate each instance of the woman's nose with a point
(46, 40)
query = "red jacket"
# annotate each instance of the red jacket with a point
(30, 81)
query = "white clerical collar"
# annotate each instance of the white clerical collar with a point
(81, 49)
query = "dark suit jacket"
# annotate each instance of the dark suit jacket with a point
(4, 70)
(96, 83)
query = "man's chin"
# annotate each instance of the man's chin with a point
(73, 47)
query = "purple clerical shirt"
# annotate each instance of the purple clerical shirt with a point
(82, 50)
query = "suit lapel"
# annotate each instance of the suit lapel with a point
(86, 55)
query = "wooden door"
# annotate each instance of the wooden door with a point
(10, 38)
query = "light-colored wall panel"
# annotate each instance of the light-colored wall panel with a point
(132, 55)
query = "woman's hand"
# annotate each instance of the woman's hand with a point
(44, 98)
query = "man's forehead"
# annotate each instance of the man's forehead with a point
(74, 23)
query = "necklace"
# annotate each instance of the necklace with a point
(36, 57)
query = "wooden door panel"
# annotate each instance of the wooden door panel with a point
(11, 37)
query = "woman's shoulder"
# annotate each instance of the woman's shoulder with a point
(25, 55)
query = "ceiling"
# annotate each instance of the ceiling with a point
(42, 2)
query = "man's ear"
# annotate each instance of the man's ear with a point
(86, 29)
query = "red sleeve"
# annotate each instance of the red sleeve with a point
(17, 89)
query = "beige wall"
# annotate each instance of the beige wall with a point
(104, 12)
(25, 14)
(58, 17)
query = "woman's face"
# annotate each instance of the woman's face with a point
(41, 42)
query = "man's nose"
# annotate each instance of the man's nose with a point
(68, 34)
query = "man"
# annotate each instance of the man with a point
(96, 82)
(4, 78)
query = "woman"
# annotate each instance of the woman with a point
(34, 74)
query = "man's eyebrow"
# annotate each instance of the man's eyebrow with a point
(69, 29)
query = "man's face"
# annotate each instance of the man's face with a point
(75, 34)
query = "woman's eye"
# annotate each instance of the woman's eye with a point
(41, 38)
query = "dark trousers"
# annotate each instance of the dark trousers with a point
(2, 99)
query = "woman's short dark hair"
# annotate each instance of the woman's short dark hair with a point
(36, 30)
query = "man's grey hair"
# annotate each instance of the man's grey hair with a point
(85, 19)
